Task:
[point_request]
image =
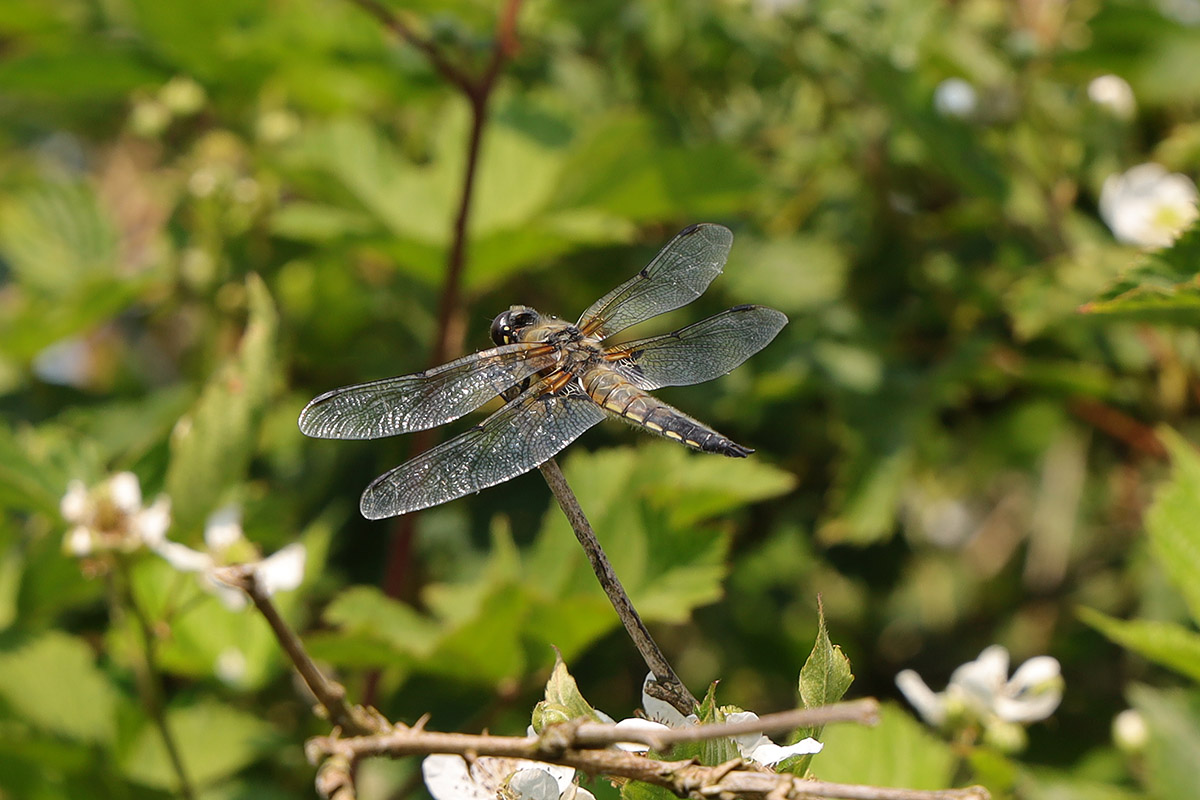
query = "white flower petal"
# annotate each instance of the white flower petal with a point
(770, 754)
(1114, 94)
(1035, 673)
(661, 710)
(955, 97)
(638, 724)
(931, 706)
(230, 666)
(447, 778)
(150, 524)
(74, 504)
(981, 680)
(533, 784)
(78, 541)
(184, 558)
(1029, 708)
(747, 743)
(1148, 206)
(223, 528)
(282, 571)
(125, 492)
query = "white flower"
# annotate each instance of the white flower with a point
(110, 516)
(1129, 731)
(662, 711)
(1148, 206)
(1114, 94)
(757, 747)
(448, 777)
(230, 666)
(981, 691)
(224, 542)
(954, 97)
(751, 746)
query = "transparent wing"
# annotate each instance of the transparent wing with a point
(700, 352)
(678, 275)
(425, 399)
(525, 433)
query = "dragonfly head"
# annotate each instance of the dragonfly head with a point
(507, 326)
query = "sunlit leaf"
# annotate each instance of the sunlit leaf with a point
(897, 752)
(1171, 521)
(1161, 287)
(53, 683)
(1173, 719)
(1166, 643)
(214, 740)
(211, 446)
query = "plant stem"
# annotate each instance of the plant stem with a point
(676, 693)
(477, 91)
(148, 678)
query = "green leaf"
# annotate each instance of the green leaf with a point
(56, 235)
(365, 611)
(824, 679)
(636, 790)
(897, 752)
(54, 684)
(1171, 756)
(1162, 287)
(1171, 521)
(650, 507)
(214, 741)
(1165, 643)
(212, 445)
(563, 700)
(621, 167)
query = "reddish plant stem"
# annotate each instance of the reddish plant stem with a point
(477, 92)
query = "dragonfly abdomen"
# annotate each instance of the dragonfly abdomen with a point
(620, 397)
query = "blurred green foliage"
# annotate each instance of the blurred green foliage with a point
(210, 213)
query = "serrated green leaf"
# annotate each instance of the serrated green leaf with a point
(52, 682)
(826, 674)
(1171, 755)
(897, 752)
(1165, 643)
(214, 741)
(1162, 287)
(563, 700)
(212, 445)
(1171, 520)
(824, 679)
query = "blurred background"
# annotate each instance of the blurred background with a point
(212, 212)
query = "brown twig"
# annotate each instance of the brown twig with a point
(1136, 434)
(354, 720)
(577, 745)
(394, 23)
(677, 694)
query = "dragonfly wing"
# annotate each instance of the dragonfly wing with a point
(678, 275)
(425, 399)
(700, 352)
(524, 434)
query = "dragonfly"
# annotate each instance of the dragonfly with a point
(558, 379)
